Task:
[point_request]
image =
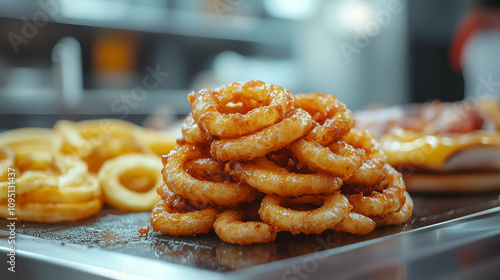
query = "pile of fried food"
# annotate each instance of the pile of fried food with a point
(255, 160)
(66, 173)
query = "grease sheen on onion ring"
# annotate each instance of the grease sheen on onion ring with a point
(173, 222)
(274, 103)
(265, 141)
(192, 133)
(372, 171)
(87, 191)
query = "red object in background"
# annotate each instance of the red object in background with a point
(475, 21)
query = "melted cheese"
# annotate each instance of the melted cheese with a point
(430, 152)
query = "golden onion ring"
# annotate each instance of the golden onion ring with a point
(230, 227)
(186, 185)
(265, 141)
(273, 103)
(53, 212)
(269, 178)
(333, 210)
(173, 222)
(118, 195)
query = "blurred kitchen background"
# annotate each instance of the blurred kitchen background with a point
(134, 59)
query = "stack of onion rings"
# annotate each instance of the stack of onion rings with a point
(49, 187)
(296, 160)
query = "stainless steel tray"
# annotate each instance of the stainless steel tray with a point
(448, 236)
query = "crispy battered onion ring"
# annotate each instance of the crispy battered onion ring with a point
(207, 169)
(338, 159)
(269, 178)
(372, 171)
(334, 119)
(152, 141)
(231, 228)
(54, 212)
(238, 257)
(191, 132)
(201, 191)
(7, 158)
(96, 141)
(56, 171)
(397, 217)
(265, 141)
(173, 222)
(334, 209)
(177, 202)
(272, 104)
(118, 195)
(380, 203)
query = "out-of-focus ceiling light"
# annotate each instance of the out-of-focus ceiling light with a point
(290, 9)
(350, 15)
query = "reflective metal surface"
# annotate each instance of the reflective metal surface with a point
(447, 236)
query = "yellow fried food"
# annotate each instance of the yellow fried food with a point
(129, 181)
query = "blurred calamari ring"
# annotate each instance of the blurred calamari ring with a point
(397, 217)
(372, 171)
(332, 210)
(391, 198)
(53, 172)
(129, 181)
(174, 222)
(152, 141)
(333, 117)
(7, 159)
(53, 212)
(96, 141)
(270, 104)
(269, 178)
(231, 228)
(338, 159)
(181, 182)
(44, 138)
(265, 141)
